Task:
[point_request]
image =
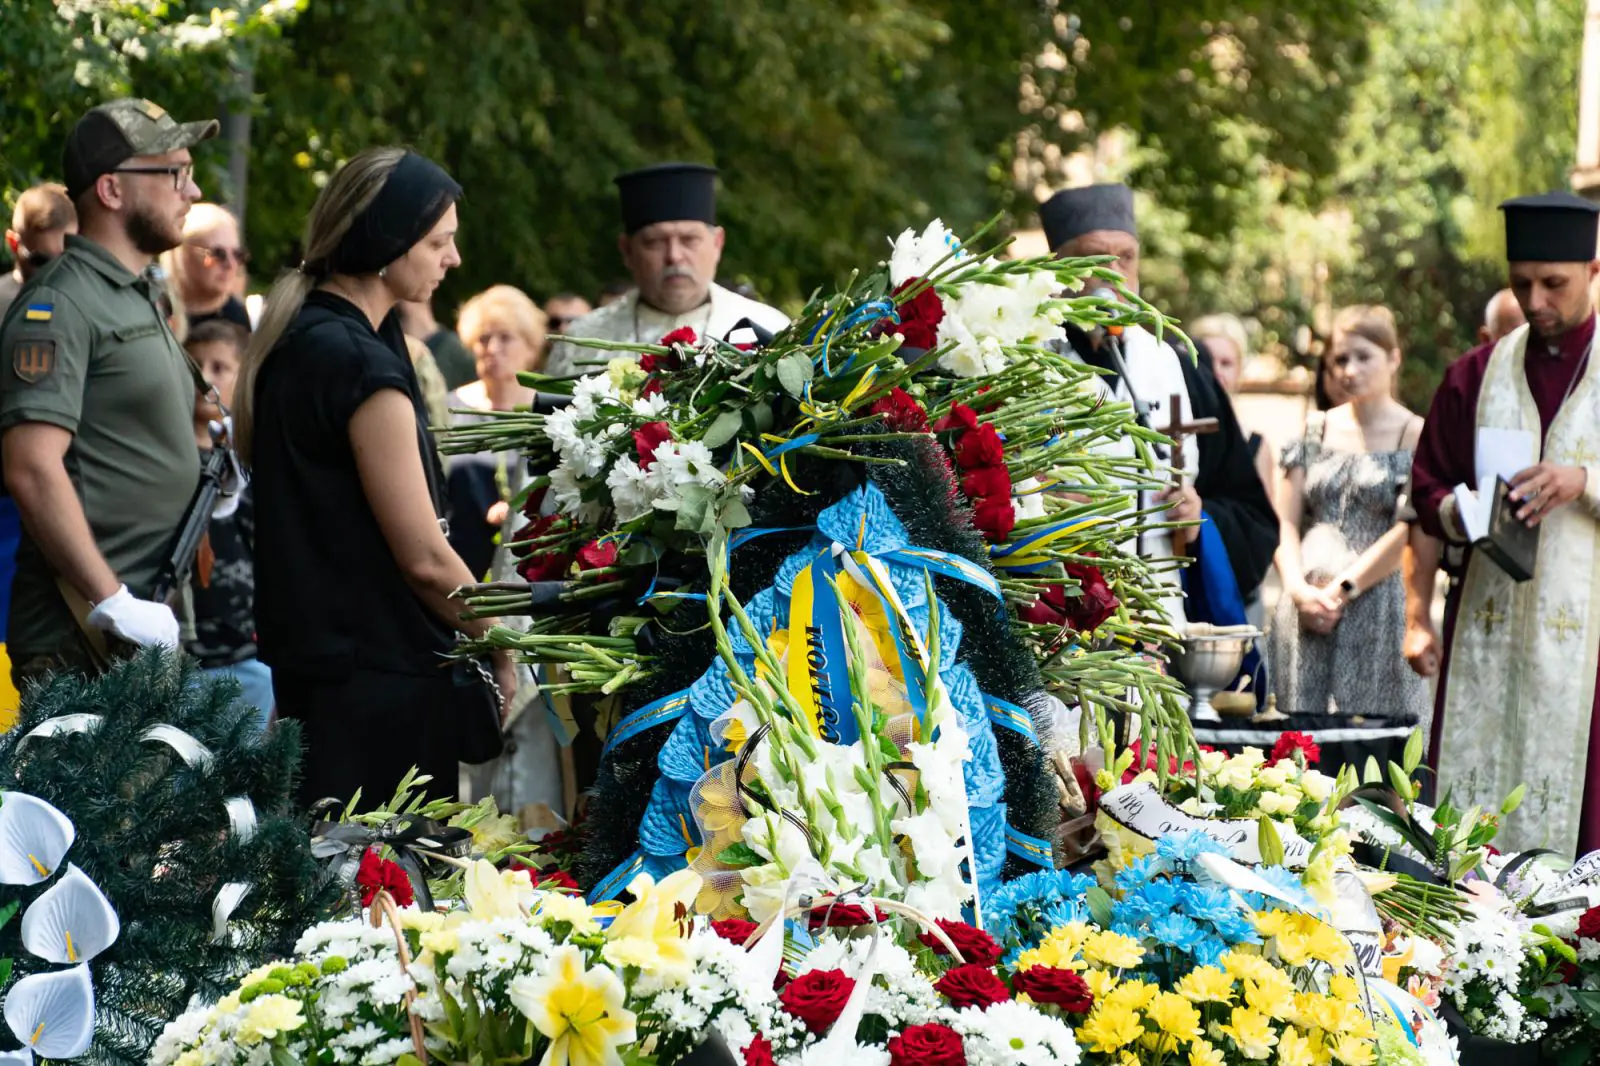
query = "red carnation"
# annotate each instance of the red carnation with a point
(758, 1052)
(543, 565)
(927, 1045)
(376, 875)
(975, 945)
(1290, 743)
(1083, 613)
(1057, 987)
(651, 388)
(682, 335)
(980, 447)
(554, 880)
(919, 316)
(817, 997)
(960, 417)
(1589, 924)
(647, 438)
(597, 554)
(900, 412)
(1570, 974)
(736, 930)
(972, 985)
(995, 517)
(986, 481)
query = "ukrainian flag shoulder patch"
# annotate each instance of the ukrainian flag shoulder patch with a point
(39, 312)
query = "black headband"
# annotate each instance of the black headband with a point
(410, 203)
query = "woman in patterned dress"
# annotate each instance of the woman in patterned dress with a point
(1340, 622)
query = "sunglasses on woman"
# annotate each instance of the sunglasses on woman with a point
(213, 256)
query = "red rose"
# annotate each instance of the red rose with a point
(376, 875)
(758, 1052)
(1059, 988)
(816, 997)
(1290, 743)
(597, 554)
(535, 500)
(1589, 924)
(984, 481)
(927, 1045)
(554, 880)
(995, 517)
(975, 945)
(1050, 609)
(736, 930)
(900, 412)
(960, 417)
(1570, 974)
(919, 316)
(972, 985)
(651, 388)
(1094, 603)
(980, 447)
(681, 335)
(647, 438)
(844, 916)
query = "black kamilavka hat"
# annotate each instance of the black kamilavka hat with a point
(668, 192)
(1073, 212)
(1551, 227)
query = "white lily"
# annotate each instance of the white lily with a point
(34, 838)
(53, 1013)
(71, 922)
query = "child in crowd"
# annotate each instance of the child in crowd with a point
(223, 582)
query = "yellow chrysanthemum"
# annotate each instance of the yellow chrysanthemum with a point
(1061, 949)
(440, 941)
(268, 1016)
(1203, 1053)
(1251, 1032)
(1345, 988)
(560, 907)
(1101, 982)
(580, 1010)
(1274, 998)
(1325, 944)
(1352, 1050)
(1294, 1049)
(1134, 995)
(1175, 1016)
(1113, 949)
(1206, 985)
(1241, 964)
(1110, 1027)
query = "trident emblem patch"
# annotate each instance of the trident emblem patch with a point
(33, 360)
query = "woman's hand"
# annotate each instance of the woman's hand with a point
(505, 675)
(497, 513)
(1320, 607)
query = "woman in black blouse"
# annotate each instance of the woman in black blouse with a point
(353, 570)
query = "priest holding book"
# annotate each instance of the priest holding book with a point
(1517, 694)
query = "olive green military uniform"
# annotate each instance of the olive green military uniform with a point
(86, 349)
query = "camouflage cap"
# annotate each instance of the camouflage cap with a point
(114, 132)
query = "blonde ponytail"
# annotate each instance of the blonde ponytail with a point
(351, 189)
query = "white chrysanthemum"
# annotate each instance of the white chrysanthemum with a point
(632, 493)
(652, 407)
(1029, 499)
(1014, 1034)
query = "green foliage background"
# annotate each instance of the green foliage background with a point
(1293, 154)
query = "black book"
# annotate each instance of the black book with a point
(1493, 528)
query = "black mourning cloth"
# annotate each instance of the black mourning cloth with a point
(410, 204)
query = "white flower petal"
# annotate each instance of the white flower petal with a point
(71, 922)
(53, 1013)
(34, 838)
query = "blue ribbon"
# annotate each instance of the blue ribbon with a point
(1019, 547)
(1029, 848)
(790, 445)
(666, 709)
(613, 883)
(1012, 717)
(870, 311)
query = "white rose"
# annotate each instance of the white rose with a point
(1317, 785)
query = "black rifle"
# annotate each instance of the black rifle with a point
(186, 544)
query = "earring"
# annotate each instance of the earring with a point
(383, 272)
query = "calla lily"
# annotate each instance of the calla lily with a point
(71, 922)
(53, 1013)
(19, 1057)
(34, 838)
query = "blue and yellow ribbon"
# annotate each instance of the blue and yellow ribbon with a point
(666, 709)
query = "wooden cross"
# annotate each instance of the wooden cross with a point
(1489, 616)
(1564, 624)
(1176, 428)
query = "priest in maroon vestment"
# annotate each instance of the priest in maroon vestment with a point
(1517, 691)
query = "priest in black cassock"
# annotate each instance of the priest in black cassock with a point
(1238, 531)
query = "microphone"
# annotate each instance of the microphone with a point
(1105, 292)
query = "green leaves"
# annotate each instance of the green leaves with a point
(724, 428)
(1099, 902)
(794, 371)
(1268, 842)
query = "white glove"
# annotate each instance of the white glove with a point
(234, 478)
(136, 621)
